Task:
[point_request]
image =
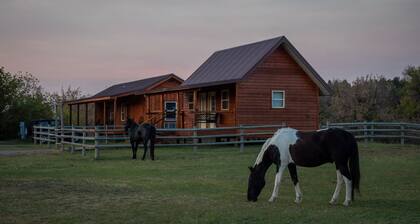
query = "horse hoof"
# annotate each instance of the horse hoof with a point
(298, 200)
(333, 202)
(272, 199)
(347, 203)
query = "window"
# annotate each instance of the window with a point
(189, 98)
(225, 99)
(277, 99)
(123, 111)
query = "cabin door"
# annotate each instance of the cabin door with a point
(211, 109)
(170, 114)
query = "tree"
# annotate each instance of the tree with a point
(410, 99)
(21, 99)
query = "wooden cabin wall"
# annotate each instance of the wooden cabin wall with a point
(278, 72)
(227, 117)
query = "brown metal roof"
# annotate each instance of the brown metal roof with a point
(233, 64)
(134, 87)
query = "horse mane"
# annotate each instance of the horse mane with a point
(261, 154)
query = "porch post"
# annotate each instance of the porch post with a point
(195, 107)
(104, 113)
(115, 111)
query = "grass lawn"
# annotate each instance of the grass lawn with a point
(208, 186)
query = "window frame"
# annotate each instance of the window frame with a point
(123, 109)
(190, 104)
(284, 99)
(223, 100)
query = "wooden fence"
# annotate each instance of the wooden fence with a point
(101, 137)
(384, 131)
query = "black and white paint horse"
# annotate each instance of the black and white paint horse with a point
(289, 147)
(145, 133)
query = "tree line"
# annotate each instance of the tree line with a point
(368, 98)
(374, 98)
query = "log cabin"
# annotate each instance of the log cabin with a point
(266, 82)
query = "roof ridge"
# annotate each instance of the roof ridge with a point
(153, 77)
(249, 44)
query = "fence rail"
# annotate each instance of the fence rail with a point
(390, 131)
(101, 137)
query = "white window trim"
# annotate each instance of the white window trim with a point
(284, 99)
(221, 99)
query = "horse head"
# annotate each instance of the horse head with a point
(256, 183)
(128, 124)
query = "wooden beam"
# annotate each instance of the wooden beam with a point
(195, 106)
(115, 111)
(104, 118)
(147, 110)
(177, 110)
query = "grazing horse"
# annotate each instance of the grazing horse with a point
(289, 147)
(144, 132)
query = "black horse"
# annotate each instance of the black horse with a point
(145, 133)
(289, 147)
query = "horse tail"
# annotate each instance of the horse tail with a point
(354, 168)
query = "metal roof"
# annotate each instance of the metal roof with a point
(133, 86)
(233, 64)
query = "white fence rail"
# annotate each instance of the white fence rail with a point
(102, 137)
(390, 131)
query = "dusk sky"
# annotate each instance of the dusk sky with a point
(94, 44)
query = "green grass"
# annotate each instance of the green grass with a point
(208, 186)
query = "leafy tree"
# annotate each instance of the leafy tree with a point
(410, 99)
(21, 99)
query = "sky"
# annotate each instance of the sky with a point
(93, 44)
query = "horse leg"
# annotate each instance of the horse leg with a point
(337, 188)
(277, 183)
(344, 170)
(152, 149)
(294, 176)
(145, 149)
(134, 148)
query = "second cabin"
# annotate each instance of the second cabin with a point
(267, 82)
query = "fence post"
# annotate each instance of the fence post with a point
(328, 124)
(40, 135)
(371, 132)
(34, 135)
(84, 142)
(72, 139)
(106, 134)
(48, 138)
(56, 136)
(195, 140)
(365, 132)
(96, 143)
(241, 138)
(402, 134)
